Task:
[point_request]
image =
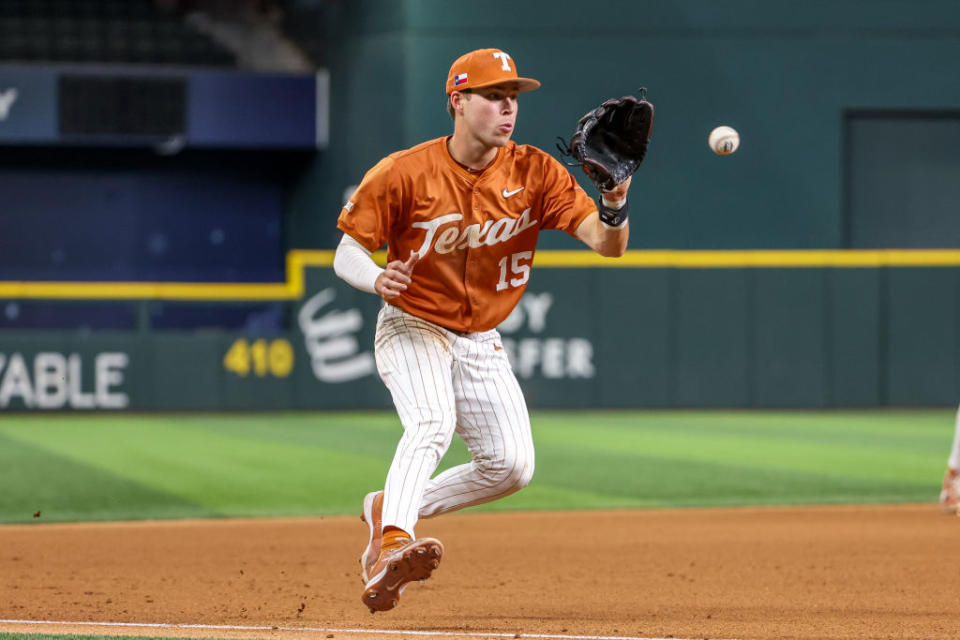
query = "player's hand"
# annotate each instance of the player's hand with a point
(396, 277)
(618, 194)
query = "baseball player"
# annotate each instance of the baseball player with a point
(460, 216)
(950, 491)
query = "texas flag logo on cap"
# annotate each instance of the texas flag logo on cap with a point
(459, 79)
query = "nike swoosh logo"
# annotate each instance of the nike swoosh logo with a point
(507, 194)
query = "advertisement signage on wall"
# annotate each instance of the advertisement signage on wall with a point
(53, 380)
(325, 361)
(809, 337)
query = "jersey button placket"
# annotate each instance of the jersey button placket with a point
(468, 279)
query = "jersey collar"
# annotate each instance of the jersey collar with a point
(470, 175)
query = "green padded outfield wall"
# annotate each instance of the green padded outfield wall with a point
(581, 338)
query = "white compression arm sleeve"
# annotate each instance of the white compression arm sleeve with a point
(352, 262)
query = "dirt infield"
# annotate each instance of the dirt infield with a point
(751, 573)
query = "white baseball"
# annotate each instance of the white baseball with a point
(724, 140)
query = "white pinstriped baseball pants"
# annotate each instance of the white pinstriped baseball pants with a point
(954, 460)
(443, 382)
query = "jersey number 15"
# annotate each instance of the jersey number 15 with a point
(517, 268)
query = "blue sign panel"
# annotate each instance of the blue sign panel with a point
(28, 105)
(252, 110)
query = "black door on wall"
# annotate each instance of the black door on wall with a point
(902, 180)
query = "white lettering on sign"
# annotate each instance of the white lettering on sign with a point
(7, 98)
(550, 357)
(108, 369)
(331, 340)
(78, 399)
(57, 381)
(532, 311)
(16, 382)
(50, 375)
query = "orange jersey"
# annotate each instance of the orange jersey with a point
(476, 234)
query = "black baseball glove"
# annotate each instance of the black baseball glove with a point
(611, 141)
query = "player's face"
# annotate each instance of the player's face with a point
(491, 113)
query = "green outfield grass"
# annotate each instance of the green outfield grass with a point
(73, 467)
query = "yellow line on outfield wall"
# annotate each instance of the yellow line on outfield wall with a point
(299, 259)
(755, 258)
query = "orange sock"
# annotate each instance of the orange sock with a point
(394, 537)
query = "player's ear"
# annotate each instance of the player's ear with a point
(457, 98)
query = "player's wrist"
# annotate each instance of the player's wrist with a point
(612, 202)
(613, 213)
